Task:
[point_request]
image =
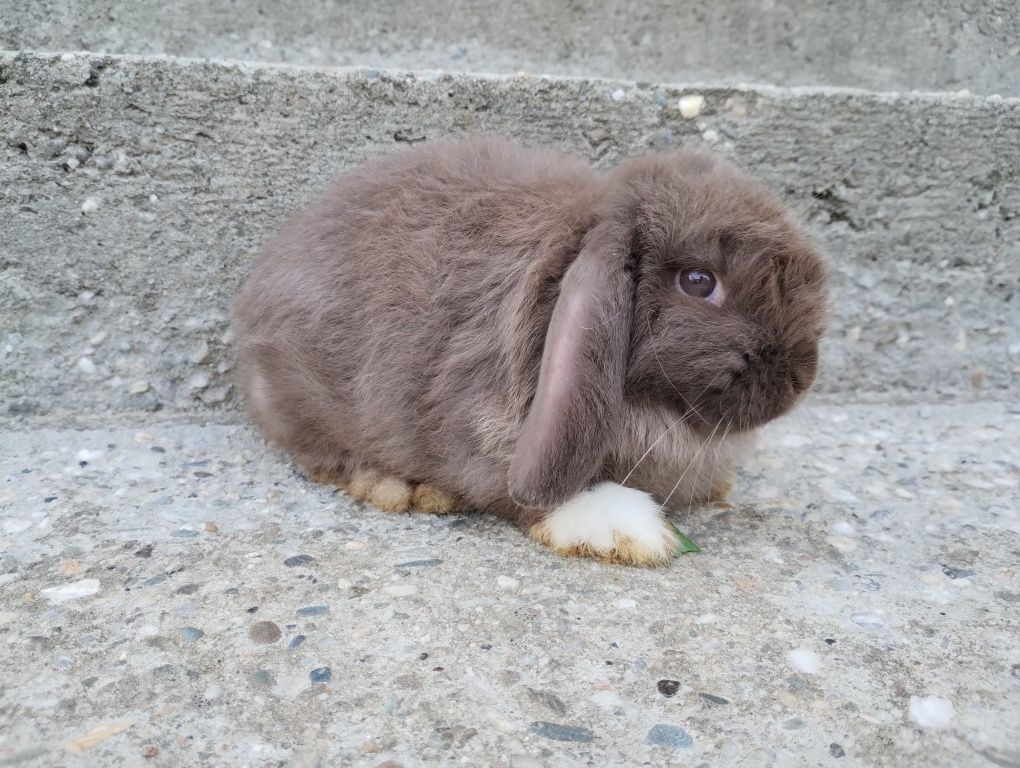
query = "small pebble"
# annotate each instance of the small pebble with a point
(663, 735)
(198, 380)
(400, 590)
(295, 642)
(713, 698)
(507, 583)
(558, 732)
(957, 573)
(296, 560)
(210, 527)
(191, 634)
(419, 563)
(91, 205)
(626, 603)
(691, 105)
(711, 136)
(321, 675)
(843, 496)
(931, 712)
(264, 632)
(86, 366)
(619, 94)
(313, 610)
(843, 528)
(805, 660)
(149, 751)
(869, 620)
(73, 591)
(836, 750)
(668, 688)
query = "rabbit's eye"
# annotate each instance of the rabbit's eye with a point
(699, 283)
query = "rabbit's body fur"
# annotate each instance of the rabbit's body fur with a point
(405, 337)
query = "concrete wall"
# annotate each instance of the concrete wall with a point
(133, 191)
(941, 45)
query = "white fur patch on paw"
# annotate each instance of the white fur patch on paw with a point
(609, 522)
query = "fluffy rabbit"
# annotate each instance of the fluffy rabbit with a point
(480, 324)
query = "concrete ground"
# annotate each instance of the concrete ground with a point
(173, 593)
(177, 594)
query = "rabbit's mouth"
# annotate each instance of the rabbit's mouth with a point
(764, 385)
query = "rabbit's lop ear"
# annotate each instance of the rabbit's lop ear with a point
(579, 400)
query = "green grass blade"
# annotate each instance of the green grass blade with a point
(684, 544)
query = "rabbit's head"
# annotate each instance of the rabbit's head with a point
(693, 289)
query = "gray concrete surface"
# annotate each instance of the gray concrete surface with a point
(133, 191)
(176, 594)
(928, 45)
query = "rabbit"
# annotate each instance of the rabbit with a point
(481, 324)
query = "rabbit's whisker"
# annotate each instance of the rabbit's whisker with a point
(717, 450)
(694, 460)
(651, 447)
(670, 381)
(668, 429)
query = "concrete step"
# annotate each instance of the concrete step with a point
(867, 565)
(135, 190)
(928, 45)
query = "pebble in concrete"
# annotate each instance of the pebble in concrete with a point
(665, 735)
(558, 732)
(932, 712)
(321, 675)
(312, 610)
(264, 632)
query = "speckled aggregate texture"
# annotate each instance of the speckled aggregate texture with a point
(134, 192)
(926, 45)
(176, 594)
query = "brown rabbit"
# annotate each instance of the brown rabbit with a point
(488, 325)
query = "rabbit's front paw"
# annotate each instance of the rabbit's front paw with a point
(611, 523)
